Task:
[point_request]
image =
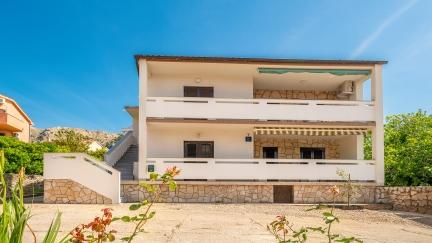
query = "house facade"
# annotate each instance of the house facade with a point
(262, 121)
(252, 129)
(14, 122)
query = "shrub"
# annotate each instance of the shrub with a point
(408, 149)
(29, 155)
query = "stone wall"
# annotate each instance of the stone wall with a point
(289, 148)
(203, 193)
(33, 184)
(320, 194)
(412, 199)
(68, 191)
(296, 94)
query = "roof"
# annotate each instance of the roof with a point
(244, 60)
(18, 108)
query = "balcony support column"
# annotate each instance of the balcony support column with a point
(142, 127)
(378, 129)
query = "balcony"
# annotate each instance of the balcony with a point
(266, 169)
(10, 123)
(260, 109)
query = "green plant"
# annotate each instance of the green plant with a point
(14, 217)
(29, 155)
(154, 192)
(98, 154)
(285, 233)
(330, 218)
(73, 141)
(408, 149)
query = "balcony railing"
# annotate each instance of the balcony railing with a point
(260, 109)
(266, 169)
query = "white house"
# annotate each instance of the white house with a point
(95, 146)
(253, 129)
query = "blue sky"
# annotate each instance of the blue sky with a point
(70, 63)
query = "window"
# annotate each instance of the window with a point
(194, 91)
(2, 134)
(270, 152)
(312, 153)
(198, 149)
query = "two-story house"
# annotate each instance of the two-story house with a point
(14, 122)
(279, 122)
(241, 130)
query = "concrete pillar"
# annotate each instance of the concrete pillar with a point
(142, 137)
(378, 130)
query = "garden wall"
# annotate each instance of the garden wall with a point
(132, 192)
(411, 199)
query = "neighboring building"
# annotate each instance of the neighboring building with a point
(94, 146)
(14, 122)
(252, 129)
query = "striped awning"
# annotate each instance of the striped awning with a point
(308, 131)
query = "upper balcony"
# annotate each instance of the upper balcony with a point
(260, 92)
(260, 109)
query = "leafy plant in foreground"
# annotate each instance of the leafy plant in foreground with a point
(154, 192)
(284, 232)
(14, 217)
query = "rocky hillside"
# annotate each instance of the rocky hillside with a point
(45, 135)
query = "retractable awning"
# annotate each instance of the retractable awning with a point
(301, 131)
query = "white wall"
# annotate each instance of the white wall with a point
(224, 87)
(166, 140)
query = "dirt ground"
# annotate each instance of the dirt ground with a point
(239, 222)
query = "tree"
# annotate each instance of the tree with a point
(73, 141)
(408, 149)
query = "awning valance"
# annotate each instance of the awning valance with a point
(302, 131)
(338, 72)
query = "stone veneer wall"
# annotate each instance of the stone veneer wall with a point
(289, 148)
(296, 94)
(412, 199)
(33, 184)
(320, 194)
(68, 191)
(203, 193)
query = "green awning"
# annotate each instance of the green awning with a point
(338, 72)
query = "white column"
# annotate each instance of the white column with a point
(378, 130)
(358, 95)
(142, 137)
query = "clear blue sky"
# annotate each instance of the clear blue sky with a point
(70, 63)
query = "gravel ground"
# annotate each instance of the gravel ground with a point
(240, 222)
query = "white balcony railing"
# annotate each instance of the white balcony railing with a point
(260, 109)
(266, 169)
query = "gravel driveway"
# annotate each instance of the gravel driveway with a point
(240, 222)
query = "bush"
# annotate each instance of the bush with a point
(408, 149)
(29, 155)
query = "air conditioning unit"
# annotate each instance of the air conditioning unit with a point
(346, 89)
(16, 135)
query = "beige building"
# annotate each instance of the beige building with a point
(243, 130)
(14, 122)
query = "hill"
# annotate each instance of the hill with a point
(47, 134)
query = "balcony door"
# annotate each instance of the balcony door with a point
(199, 149)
